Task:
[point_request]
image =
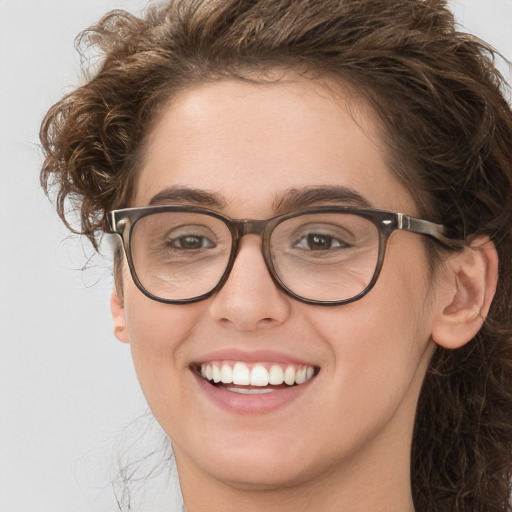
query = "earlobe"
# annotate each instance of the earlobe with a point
(118, 317)
(466, 289)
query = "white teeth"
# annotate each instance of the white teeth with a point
(289, 376)
(276, 375)
(226, 374)
(250, 391)
(240, 374)
(259, 376)
(216, 374)
(300, 376)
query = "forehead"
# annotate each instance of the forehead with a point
(250, 143)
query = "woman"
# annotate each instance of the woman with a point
(257, 160)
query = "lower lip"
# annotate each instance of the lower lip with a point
(263, 403)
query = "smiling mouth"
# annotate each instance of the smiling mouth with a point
(258, 378)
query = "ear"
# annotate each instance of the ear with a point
(118, 317)
(466, 287)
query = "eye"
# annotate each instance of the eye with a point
(320, 242)
(191, 242)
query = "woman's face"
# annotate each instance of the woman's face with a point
(249, 148)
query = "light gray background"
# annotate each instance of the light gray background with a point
(67, 387)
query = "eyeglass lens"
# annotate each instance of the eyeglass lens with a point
(318, 256)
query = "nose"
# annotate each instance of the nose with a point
(250, 299)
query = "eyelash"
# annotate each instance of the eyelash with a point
(177, 243)
(339, 243)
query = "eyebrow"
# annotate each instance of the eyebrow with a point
(186, 195)
(297, 198)
(289, 200)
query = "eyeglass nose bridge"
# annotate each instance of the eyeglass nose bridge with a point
(261, 228)
(241, 228)
(245, 227)
(250, 227)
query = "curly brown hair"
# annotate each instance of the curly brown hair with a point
(446, 123)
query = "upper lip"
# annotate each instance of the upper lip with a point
(252, 356)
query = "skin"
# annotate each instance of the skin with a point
(344, 443)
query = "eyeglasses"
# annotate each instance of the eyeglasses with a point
(324, 255)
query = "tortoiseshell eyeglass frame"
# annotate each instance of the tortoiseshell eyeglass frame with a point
(121, 222)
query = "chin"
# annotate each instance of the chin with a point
(260, 473)
(252, 461)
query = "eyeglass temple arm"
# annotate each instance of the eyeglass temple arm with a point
(428, 228)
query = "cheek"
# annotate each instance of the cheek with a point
(380, 345)
(154, 328)
(158, 335)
